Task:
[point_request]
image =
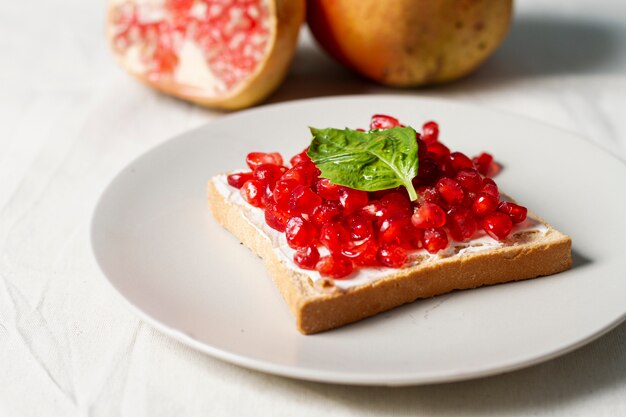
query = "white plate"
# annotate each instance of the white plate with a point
(157, 244)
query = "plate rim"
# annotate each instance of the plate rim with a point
(334, 377)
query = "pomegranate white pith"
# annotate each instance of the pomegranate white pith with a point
(225, 54)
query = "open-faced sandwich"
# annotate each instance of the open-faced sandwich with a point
(364, 221)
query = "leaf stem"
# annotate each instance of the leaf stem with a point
(412, 193)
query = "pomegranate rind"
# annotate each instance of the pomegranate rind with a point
(287, 16)
(413, 43)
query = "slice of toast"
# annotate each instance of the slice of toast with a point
(323, 304)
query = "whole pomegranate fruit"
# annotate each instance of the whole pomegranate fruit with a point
(219, 53)
(410, 42)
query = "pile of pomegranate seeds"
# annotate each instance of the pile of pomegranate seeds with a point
(456, 199)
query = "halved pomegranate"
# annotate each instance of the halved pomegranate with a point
(225, 54)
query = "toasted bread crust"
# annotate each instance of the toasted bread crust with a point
(316, 311)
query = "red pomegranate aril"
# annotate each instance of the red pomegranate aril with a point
(516, 212)
(469, 179)
(460, 161)
(392, 256)
(422, 149)
(326, 189)
(461, 223)
(484, 203)
(360, 227)
(300, 232)
(428, 215)
(282, 192)
(334, 235)
(434, 240)
(335, 266)
(275, 218)
(497, 225)
(352, 200)
(252, 191)
(373, 210)
(301, 157)
(304, 200)
(430, 132)
(483, 162)
(382, 121)
(427, 173)
(438, 151)
(415, 238)
(394, 230)
(304, 173)
(450, 191)
(239, 178)
(396, 200)
(362, 254)
(427, 195)
(268, 174)
(492, 190)
(326, 212)
(307, 257)
(254, 159)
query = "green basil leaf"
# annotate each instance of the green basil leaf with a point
(368, 161)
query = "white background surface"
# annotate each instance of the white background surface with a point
(70, 119)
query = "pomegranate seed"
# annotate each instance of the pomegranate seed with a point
(392, 256)
(381, 121)
(430, 132)
(516, 212)
(179, 6)
(326, 212)
(394, 230)
(427, 195)
(254, 159)
(352, 200)
(490, 188)
(252, 191)
(427, 172)
(326, 189)
(282, 192)
(497, 225)
(335, 266)
(334, 235)
(303, 200)
(363, 254)
(301, 157)
(360, 227)
(438, 151)
(268, 197)
(422, 148)
(428, 215)
(460, 161)
(397, 201)
(304, 173)
(483, 163)
(484, 203)
(239, 178)
(434, 240)
(300, 232)
(461, 223)
(307, 257)
(373, 210)
(469, 179)
(415, 238)
(450, 191)
(268, 174)
(275, 218)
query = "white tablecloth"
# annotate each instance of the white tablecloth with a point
(69, 119)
